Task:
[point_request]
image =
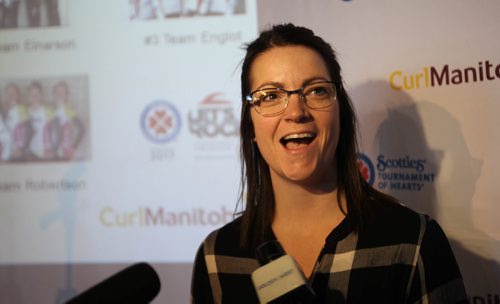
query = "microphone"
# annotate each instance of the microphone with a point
(280, 279)
(138, 283)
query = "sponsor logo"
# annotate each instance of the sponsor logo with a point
(215, 126)
(403, 173)
(160, 122)
(366, 168)
(434, 76)
(113, 217)
(214, 117)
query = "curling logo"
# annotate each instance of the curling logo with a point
(432, 76)
(214, 117)
(366, 168)
(396, 173)
(160, 122)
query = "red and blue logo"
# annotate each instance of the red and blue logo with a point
(366, 168)
(160, 122)
(215, 117)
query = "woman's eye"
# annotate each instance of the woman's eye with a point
(270, 96)
(317, 91)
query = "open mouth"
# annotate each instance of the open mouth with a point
(298, 140)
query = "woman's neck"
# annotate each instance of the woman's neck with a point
(304, 217)
(299, 203)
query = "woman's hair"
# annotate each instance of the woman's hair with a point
(257, 188)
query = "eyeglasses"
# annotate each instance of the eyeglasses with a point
(273, 101)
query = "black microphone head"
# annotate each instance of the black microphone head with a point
(269, 251)
(138, 283)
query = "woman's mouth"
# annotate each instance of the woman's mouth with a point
(297, 140)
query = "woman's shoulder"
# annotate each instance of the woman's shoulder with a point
(230, 231)
(379, 204)
(390, 221)
(226, 240)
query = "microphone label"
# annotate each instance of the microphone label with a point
(277, 279)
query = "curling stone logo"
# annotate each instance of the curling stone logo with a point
(214, 117)
(160, 122)
(366, 168)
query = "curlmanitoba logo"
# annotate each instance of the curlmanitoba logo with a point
(160, 122)
(402, 173)
(444, 75)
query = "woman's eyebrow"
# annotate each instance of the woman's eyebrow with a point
(273, 84)
(313, 79)
(277, 84)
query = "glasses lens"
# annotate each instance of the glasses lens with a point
(319, 95)
(269, 101)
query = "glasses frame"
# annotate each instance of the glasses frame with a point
(299, 91)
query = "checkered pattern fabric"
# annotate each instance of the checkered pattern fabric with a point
(399, 257)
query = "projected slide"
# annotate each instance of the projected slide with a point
(119, 133)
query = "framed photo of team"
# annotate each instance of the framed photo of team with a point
(165, 9)
(32, 13)
(44, 120)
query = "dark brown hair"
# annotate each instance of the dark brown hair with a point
(256, 181)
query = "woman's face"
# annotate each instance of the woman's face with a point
(11, 96)
(60, 94)
(35, 96)
(309, 161)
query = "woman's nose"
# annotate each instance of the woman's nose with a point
(296, 109)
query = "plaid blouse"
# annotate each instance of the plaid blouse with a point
(399, 257)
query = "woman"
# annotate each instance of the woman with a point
(43, 123)
(16, 121)
(303, 188)
(71, 128)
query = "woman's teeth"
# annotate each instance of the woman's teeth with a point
(298, 140)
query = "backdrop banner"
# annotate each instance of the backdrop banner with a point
(425, 80)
